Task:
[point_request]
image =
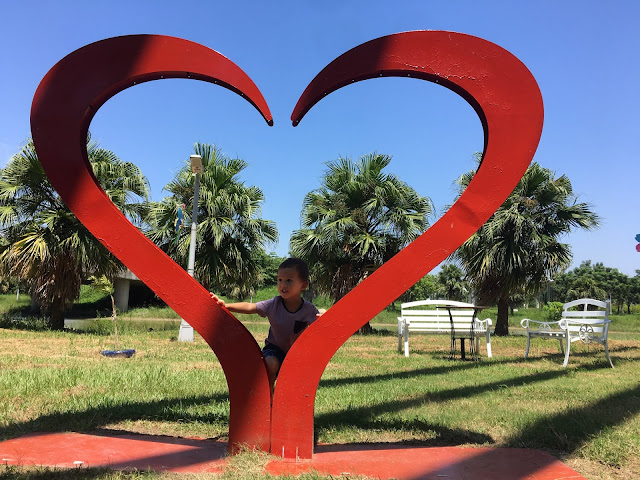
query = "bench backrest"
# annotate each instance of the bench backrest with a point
(433, 315)
(595, 317)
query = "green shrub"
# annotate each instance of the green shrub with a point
(553, 311)
(100, 326)
(35, 323)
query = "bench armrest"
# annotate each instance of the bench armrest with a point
(526, 323)
(486, 323)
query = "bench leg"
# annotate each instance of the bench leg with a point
(488, 343)
(568, 348)
(606, 351)
(526, 354)
(399, 338)
(406, 341)
(561, 345)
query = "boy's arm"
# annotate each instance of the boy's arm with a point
(242, 307)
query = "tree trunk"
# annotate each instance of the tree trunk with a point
(56, 319)
(35, 306)
(502, 321)
(366, 328)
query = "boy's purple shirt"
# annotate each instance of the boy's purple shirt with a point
(285, 327)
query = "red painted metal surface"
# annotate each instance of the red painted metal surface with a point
(196, 455)
(63, 106)
(498, 86)
(507, 99)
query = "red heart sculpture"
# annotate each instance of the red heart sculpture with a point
(65, 102)
(507, 99)
(496, 84)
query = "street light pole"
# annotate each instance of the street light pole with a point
(186, 330)
(194, 225)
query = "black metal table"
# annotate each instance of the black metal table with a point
(472, 344)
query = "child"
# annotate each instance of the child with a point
(288, 313)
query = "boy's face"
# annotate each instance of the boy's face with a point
(290, 285)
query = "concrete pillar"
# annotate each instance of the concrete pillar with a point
(121, 293)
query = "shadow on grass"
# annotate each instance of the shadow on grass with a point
(378, 332)
(595, 353)
(568, 431)
(455, 366)
(565, 432)
(623, 348)
(368, 417)
(93, 419)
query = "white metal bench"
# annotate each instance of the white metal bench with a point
(443, 317)
(575, 325)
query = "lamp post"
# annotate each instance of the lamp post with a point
(186, 330)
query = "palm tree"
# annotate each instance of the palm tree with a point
(357, 220)
(229, 230)
(451, 283)
(46, 246)
(519, 247)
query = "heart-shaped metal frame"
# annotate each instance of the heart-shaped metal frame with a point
(66, 100)
(508, 102)
(495, 83)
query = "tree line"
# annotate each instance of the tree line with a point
(599, 282)
(357, 219)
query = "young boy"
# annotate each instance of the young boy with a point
(288, 313)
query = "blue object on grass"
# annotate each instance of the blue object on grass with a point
(118, 353)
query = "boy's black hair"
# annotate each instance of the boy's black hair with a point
(300, 266)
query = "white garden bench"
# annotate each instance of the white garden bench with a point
(575, 325)
(443, 317)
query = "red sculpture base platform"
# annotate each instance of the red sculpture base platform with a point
(158, 453)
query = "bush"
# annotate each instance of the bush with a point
(101, 326)
(36, 323)
(553, 311)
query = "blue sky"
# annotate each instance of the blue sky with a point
(584, 55)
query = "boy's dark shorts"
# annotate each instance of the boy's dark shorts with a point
(270, 350)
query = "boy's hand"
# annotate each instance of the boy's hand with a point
(321, 311)
(218, 300)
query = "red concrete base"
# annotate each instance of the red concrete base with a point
(142, 452)
(118, 452)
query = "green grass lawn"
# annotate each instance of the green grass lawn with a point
(587, 414)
